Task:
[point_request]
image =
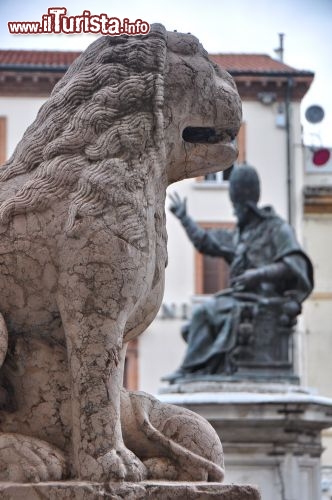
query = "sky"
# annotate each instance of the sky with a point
(246, 26)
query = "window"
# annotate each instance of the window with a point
(3, 139)
(211, 273)
(222, 176)
(219, 176)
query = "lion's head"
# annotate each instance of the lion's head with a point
(126, 107)
(202, 107)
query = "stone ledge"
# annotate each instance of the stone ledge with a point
(155, 490)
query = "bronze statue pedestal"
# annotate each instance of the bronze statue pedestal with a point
(271, 432)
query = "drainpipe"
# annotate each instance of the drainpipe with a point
(288, 95)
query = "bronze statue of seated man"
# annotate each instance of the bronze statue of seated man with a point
(270, 276)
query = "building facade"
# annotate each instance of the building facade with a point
(317, 230)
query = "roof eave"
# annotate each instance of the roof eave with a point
(284, 74)
(34, 67)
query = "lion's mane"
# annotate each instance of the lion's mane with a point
(99, 137)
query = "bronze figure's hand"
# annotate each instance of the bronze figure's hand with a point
(248, 280)
(178, 207)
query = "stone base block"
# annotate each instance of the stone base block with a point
(271, 434)
(155, 490)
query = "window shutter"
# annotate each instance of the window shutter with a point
(130, 376)
(215, 274)
(241, 143)
(211, 273)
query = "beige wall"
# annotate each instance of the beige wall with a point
(318, 314)
(161, 350)
(20, 113)
(266, 150)
(318, 243)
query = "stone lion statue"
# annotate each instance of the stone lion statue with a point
(83, 253)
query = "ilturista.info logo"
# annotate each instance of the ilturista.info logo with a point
(56, 21)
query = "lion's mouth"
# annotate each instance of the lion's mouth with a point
(208, 135)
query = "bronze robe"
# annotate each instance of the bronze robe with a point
(267, 240)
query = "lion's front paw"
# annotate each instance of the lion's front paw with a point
(122, 465)
(26, 459)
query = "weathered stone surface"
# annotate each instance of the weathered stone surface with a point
(129, 491)
(83, 252)
(173, 443)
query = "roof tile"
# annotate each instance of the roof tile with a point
(255, 63)
(251, 63)
(37, 57)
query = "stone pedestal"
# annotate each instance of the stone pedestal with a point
(76, 490)
(271, 433)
